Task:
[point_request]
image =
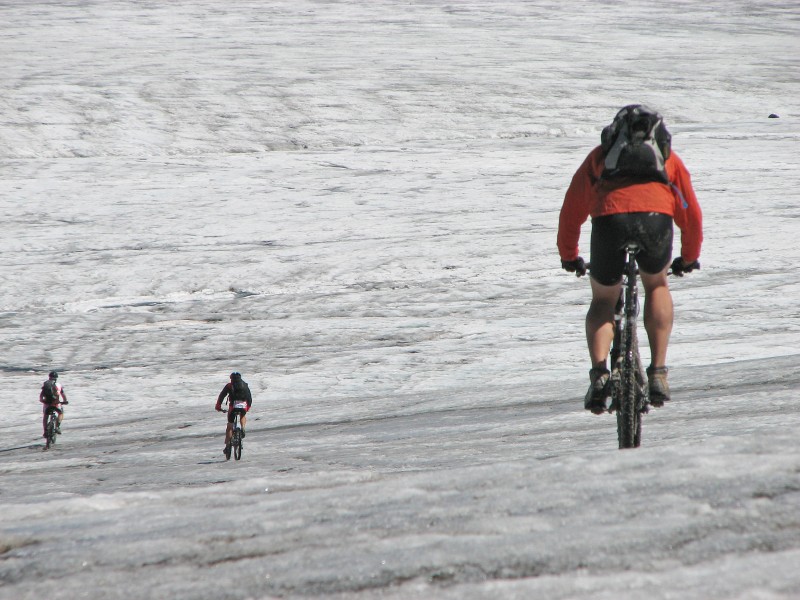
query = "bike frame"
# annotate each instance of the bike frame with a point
(236, 434)
(52, 424)
(237, 422)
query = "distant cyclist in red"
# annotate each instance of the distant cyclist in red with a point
(635, 200)
(239, 401)
(53, 397)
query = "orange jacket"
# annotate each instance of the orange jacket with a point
(588, 196)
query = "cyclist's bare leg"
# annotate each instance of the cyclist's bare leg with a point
(228, 434)
(243, 420)
(600, 321)
(658, 315)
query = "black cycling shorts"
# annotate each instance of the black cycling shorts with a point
(652, 231)
(231, 414)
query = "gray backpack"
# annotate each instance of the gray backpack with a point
(636, 146)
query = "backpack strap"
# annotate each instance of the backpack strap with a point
(677, 191)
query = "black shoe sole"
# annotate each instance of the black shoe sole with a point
(597, 408)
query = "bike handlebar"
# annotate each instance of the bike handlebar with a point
(589, 268)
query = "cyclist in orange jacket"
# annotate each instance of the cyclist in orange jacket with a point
(622, 209)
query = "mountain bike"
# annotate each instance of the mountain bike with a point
(238, 433)
(628, 381)
(236, 436)
(51, 429)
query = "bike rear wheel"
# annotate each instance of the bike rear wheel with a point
(236, 443)
(52, 424)
(630, 406)
(631, 399)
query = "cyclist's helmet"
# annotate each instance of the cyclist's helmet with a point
(235, 376)
(53, 375)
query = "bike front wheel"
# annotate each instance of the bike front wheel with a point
(631, 400)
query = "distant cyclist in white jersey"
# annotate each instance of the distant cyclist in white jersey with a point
(239, 401)
(54, 398)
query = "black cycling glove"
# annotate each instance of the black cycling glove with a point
(577, 266)
(680, 266)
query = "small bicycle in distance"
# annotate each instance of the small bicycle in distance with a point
(237, 434)
(51, 430)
